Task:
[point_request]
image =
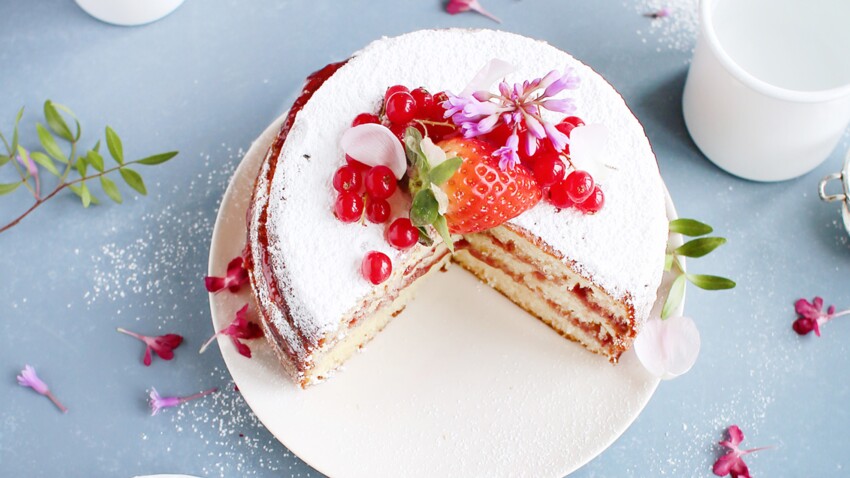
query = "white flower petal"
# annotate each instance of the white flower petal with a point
(442, 198)
(588, 149)
(668, 348)
(434, 153)
(373, 145)
(492, 72)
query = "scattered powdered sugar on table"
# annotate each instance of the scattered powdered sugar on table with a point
(676, 31)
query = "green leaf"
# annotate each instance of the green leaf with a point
(79, 131)
(668, 262)
(424, 237)
(699, 247)
(443, 230)
(45, 162)
(113, 142)
(56, 122)
(97, 146)
(674, 298)
(690, 227)
(49, 144)
(424, 209)
(81, 166)
(157, 158)
(85, 195)
(95, 159)
(110, 189)
(7, 188)
(4, 159)
(134, 180)
(711, 282)
(14, 146)
(445, 170)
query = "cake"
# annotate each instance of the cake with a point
(325, 286)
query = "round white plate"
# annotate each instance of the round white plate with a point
(462, 383)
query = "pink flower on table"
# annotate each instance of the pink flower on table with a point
(811, 315)
(28, 378)
(732, 463)
(233, 280)
(240, 328)
(459, 6)
(162, 345)
(158, 402)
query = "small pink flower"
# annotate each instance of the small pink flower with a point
(732, 463)
(240, 328)
(157, 402)
(163, 345)
(459, 6)
(28, 378)
(233, 280)
(662, 13)
(811, 315)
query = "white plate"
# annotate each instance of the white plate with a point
(462, 383)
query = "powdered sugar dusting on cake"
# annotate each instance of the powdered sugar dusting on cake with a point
(316, 258)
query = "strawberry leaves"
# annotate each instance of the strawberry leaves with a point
(429, 170)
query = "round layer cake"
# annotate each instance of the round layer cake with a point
(591, 277)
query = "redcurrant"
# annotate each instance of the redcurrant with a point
(401, 234)
(376, 267)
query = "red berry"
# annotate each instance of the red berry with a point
(399, 130)
(594, 203)
(364, 118)
(376, 267)
(400, 107)
(347, 179)
(356, 164)
(424, 101)
(558, 197)
(348, 207)
(574, 120)
(548, 169)
(565, 128)
(579, 186)
(395, 89)
(380, 182)
(401, 234)
(437, 112)
(803, 325)
(377, 210)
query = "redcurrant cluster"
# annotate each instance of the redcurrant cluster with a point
(364, 191)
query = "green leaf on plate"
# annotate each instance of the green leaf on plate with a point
(674, 299)
(690, 227)
(113, 142)
(134, 180)
(699, 247)
(45, 161)
(111, 189)
(7, 188)
(56, 122)
(49, 144)
(708, 282)
(157, 158)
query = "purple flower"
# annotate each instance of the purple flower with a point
(158, 402)
(28, 378)
(480, 112)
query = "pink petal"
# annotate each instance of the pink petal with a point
(214, 284)
(374, 145)
(147, 359)
(243, 349)
(736, 436)
(668, 348)
(739, 469)
(724, 464)
(804, 308)
(587, 149)
(490, 73)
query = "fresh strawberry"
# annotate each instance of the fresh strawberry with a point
(481, 195)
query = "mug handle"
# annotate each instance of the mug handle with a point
(822, 188)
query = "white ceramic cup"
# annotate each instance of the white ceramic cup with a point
(128, 12)
(768, 92)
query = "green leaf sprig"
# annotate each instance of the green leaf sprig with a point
(694, 248)
(424, 209)
(55, 161)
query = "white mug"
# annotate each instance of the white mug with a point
(768, 92)
(128, 12)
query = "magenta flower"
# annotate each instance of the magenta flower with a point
(158, 402)
(459, 6)
(240, 328)
(732, 463)
(28, 378)
(233, 280)
(811, 315)
(519, 107)
(163, 345)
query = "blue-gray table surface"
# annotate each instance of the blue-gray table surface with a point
(206, 81)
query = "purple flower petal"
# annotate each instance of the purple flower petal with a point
(559, 140)
(562, 105)
(28, 378)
